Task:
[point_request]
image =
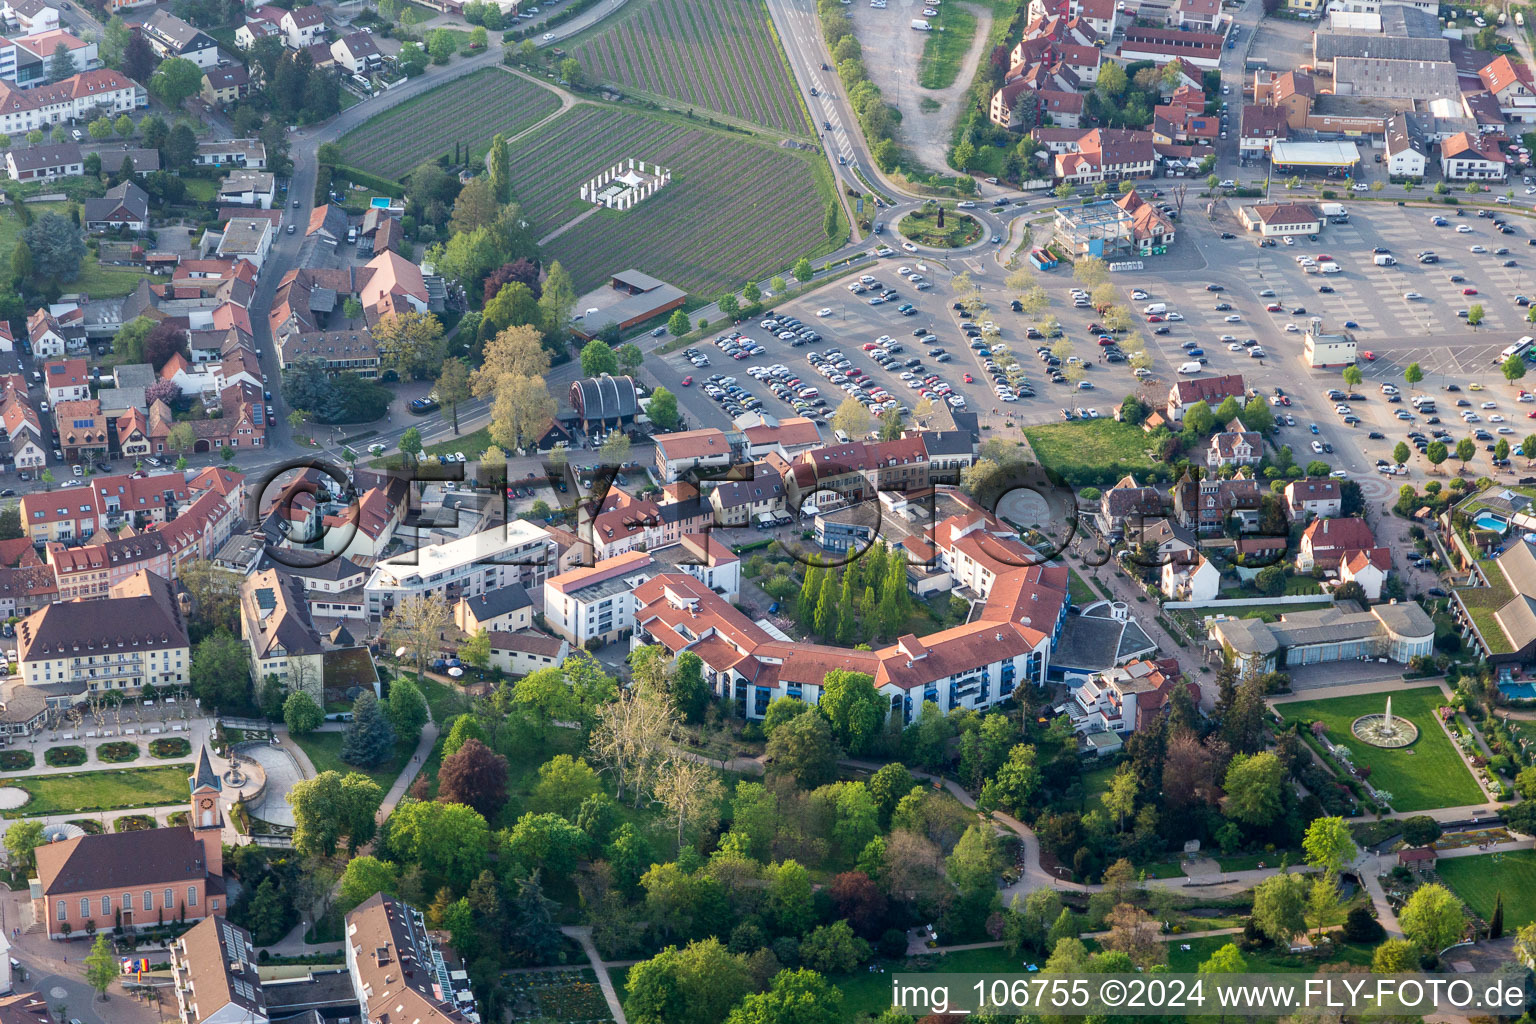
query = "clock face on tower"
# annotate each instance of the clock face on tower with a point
(207, 802)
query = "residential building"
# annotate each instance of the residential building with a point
(676, 454)
(506, 610)
(1369, 568)
(357, 52)
(1125, 699)
(136, 636)
(82, 431)
(1235, 446)
(67, 380)
(1202, 49)
(284, 643)
(518, 552)
(247, 238)
(25, 432)
(1125, 507)
(24, 1008)
(1509, 82)
(1210, 390)
(1464, 157)
(350, 349)
(1107, 154)
(524, 651)
(248, 188)
(302, 27)
(1261, 128)
(1196, 15)
(1272, 220)
(1207, 503)
(31, 16)
(397, 971)
(740, 503)
(1405, 157)
(169, 36)
(37, 51)
(596, 605)
(1497, 614)
(148, 877)
(125, 205)
(1313, 498)
(225, 85)
(213, 970)
(1190, 577)
(43, 163)
(1325, 542)
(394, 286)
(1399, 632)
(1291, 91)
(712, 563)
(250, 153)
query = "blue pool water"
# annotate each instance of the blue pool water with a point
(380, 202)
(1518, 691)
(1489, 521)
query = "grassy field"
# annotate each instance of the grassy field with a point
(735, 210)
(1270, 613)
(1081, 590)
(715, 55)
(944, 49)
(324, 750)
(1183, 961)
(1480, 880)
(1091, 452)
(101, 790)
(468, 111)
(101, 282)
(1426, 775)
(472, 443)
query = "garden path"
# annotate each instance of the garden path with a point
(583, 935)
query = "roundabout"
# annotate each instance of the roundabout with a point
(938, 228)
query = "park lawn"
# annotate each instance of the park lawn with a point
(472, 444)
(324, 750)
(1270, 613)
(1479, 880)
(1095, 785)
(945, 48)
(1253, 861)
(201, 190)
(1091, 453)
(1420, 777)
(101, 790)
(103, 282)
(1182, 961)
(1080, 589)
(867, 995)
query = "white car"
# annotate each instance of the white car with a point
(1175, 317)
(1531, 190)
(909, 247)
(548, 36)
(1411, 296)
(1289, 240)
(1495, 418)
(965, 204)
(1291, 328)
(1317, 447)
(903, 271)
(824, 311)
(1477, 250)
(1490, 405)
(1234, 346)
(1228, 337)
(1234, 319)
(1138, 295)
(1338, 474)
(1227, 183)
(1465, 229)
(1506, 430)
(1360, 186)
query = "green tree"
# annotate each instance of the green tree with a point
(301, 714)
(597, 358)
(22, 838)
(407, 710)
(1279, 907)
(101, 967)
(1475, 314)
(1432, 918)
(1436, 453)
(678, 324)
(364, 876)
(441, 45)
(369, 740)
(1329, 845)
(501, 180)
(1395, 956)
(1514, 367)
(1352, 375)
(453, 387)
(1465, 450)
(1253, 788)
(796, 997)
(1413, 373)
(663, 409)
(176, 80)
(449, 841)
(802, 269)
(1401, 453)
(805, 749)
(1016, 781)
(1225, 960)
(221, 671)
(330, 807)
(1422, 830)
(698, 984)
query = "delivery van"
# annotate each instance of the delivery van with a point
(1190, 368)
(919, 25)
(1154, 308)
(1385, 261)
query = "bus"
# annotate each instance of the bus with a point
(1519, 348)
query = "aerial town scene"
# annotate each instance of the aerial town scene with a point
(767, 511)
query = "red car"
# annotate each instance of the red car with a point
(1273, 307)
(1469, 291)
(1154, 319)
(688, 381)
(1531, 415)
(1368, 356)
(1105, 340)
(972, 380)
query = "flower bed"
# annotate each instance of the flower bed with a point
(571, 997)
(64, 757)
(176, 819)
(16, 760)
(134, 823)
(118, 751)
(90, 826)
(170, 746)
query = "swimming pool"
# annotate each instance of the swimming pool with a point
(1488, 521)
(1518, 691)
(380, 202)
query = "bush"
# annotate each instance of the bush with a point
(134, 823)
(90, 826)
(118, 751)
(893, 944)
(16, 760)
(64, 757)
(1360, 926)
(170, 746)
(177, 820)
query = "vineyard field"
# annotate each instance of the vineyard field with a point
(468, 111)
(735, 210)
(708, 54)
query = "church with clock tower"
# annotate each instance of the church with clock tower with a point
(137, 879)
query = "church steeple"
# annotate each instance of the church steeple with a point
(207, 817)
